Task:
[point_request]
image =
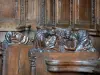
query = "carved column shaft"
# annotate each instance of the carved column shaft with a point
(42, 12)
(53, 12)
(22, 12)
(93, 12)
(71, 12)
(32, 59)
(33, 65)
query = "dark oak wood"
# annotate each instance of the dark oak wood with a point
(55, 63)
(63, 11)
(15, 60)
(82, 14)
(9, 14)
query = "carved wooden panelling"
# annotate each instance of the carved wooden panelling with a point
(41, 65)
(31, 11)
(63, 11)
(15, 60)
(7, 9)
(9, 14)
(82, 13)
(50, 12)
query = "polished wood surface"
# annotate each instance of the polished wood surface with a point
(9, 15)
(42, 68)
(82, 14)
(16, 60)
(73, 64)
(17, 15)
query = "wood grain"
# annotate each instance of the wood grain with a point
(17, 62)
(41, 67)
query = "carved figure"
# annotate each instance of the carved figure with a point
(63, 40)
(16, 37)
(84, 42)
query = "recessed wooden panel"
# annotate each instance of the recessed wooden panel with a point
(50, 12)
(16, 60)
(62, 11)
(82, 13)
(9, 14)
(32, 10)
(7, 9)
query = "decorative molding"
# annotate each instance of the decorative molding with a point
(22, 12)
(71, 12)
(76, 11)
(54, 12)
(56, 62)
(42, 12)
(93, 13)
(88, 66)
(32, 59)
(4, 67)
